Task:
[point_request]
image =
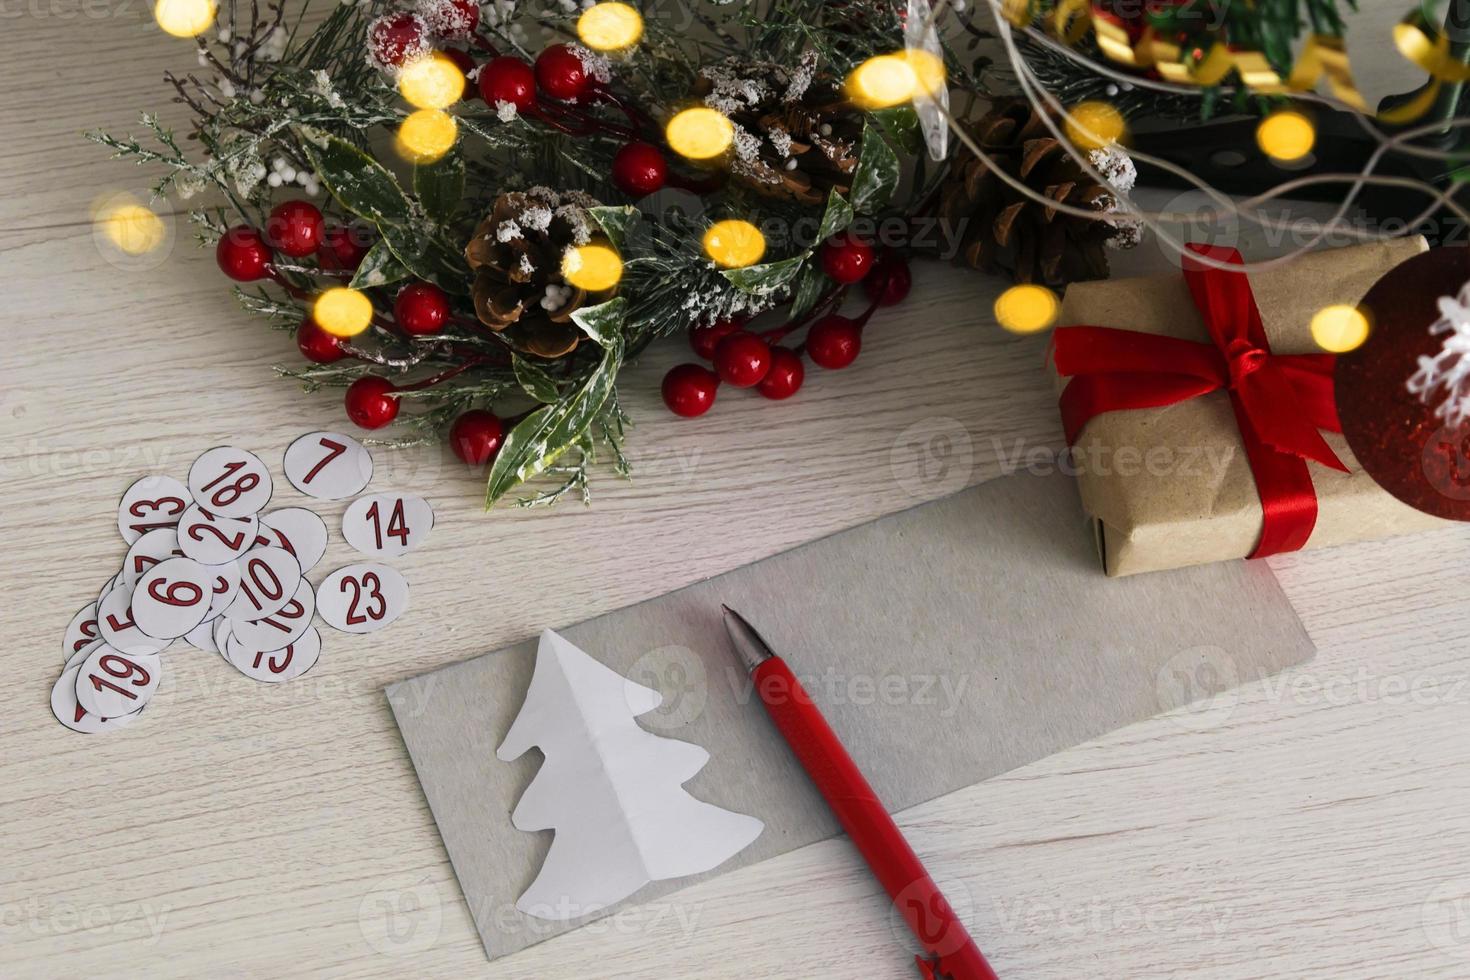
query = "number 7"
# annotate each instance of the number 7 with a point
(334, 448)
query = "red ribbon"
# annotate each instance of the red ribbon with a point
(1280, 400)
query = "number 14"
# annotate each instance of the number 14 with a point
(397, 528)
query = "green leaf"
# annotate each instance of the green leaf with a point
(603, 322)
(616, 223)
(551, 430)
(379, 267)
(877, 173)
(424, 256)
(764, 279)
(809, 289)
(361, 184)
(536, 382)
(901, 124)
(837, 216)
(440, 185)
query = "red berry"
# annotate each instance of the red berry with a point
(834, 341)
(508, 79)
(371, 403)
(846, 259)
(742, 359)
(295, 227)
(453, 19)
(242, 254)
(704, 339)
(785, 376)
(343, 246)
(421, 308)
(395, 38)
(560, 73)
(689, 390)
(476, 436)
(466, 65)
(890, 281)
(639, 168)
(317, 345)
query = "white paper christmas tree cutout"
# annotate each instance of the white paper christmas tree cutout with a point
(612, 792)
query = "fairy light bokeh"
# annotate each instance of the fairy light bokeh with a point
(342, 311)
(734, 243)
(185, 18)
(610, 27)
(700, 134)
(594, 267)
(1026, 309)
(1340, 328)
(431, 82)
(426, 135)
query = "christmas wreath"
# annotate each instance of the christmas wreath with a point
(486, 210)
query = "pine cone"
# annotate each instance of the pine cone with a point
(796, 135)
(1004, 230)
(516, 253)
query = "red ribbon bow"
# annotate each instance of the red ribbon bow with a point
(1280, 400)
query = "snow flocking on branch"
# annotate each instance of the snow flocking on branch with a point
(1446, 375)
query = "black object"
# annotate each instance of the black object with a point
(1224, 154)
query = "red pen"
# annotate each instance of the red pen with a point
(950, 951)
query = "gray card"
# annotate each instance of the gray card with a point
(946, 644)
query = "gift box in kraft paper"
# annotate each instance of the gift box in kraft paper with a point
(1172, 486)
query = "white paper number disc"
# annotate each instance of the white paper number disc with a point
(328, 465)
(281, 628)
(173, 597)
(111, 683)
(155, 546)
(269, 578)
(230, 482)
(80, 631)
(69, 712)
(277, 666)
(201, 637)
(151, 503)
(223, 590)
(221, 635)
(387, 524)
(362, 598)
(115, 623)
(299, 531)
(213, 540)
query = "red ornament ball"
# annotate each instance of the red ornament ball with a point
(421, 308)
(317, 345)
(742, 359)
(508, 79)
(689, 390)
(785, 376)
(450, 19)
(395, 38)
(476, 436)
(834, 341)
(560, 72)
(242, 254)
(639, 169)
(295, 227)
(890, 281)
(343, 246)
(371, 403)
(847, 259)
(704, 339)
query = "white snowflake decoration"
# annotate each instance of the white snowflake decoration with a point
(1447, 373)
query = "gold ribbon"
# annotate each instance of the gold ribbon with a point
(1415, 37)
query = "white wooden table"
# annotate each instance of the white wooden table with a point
(1312, 825)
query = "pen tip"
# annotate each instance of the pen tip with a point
(748, 644)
